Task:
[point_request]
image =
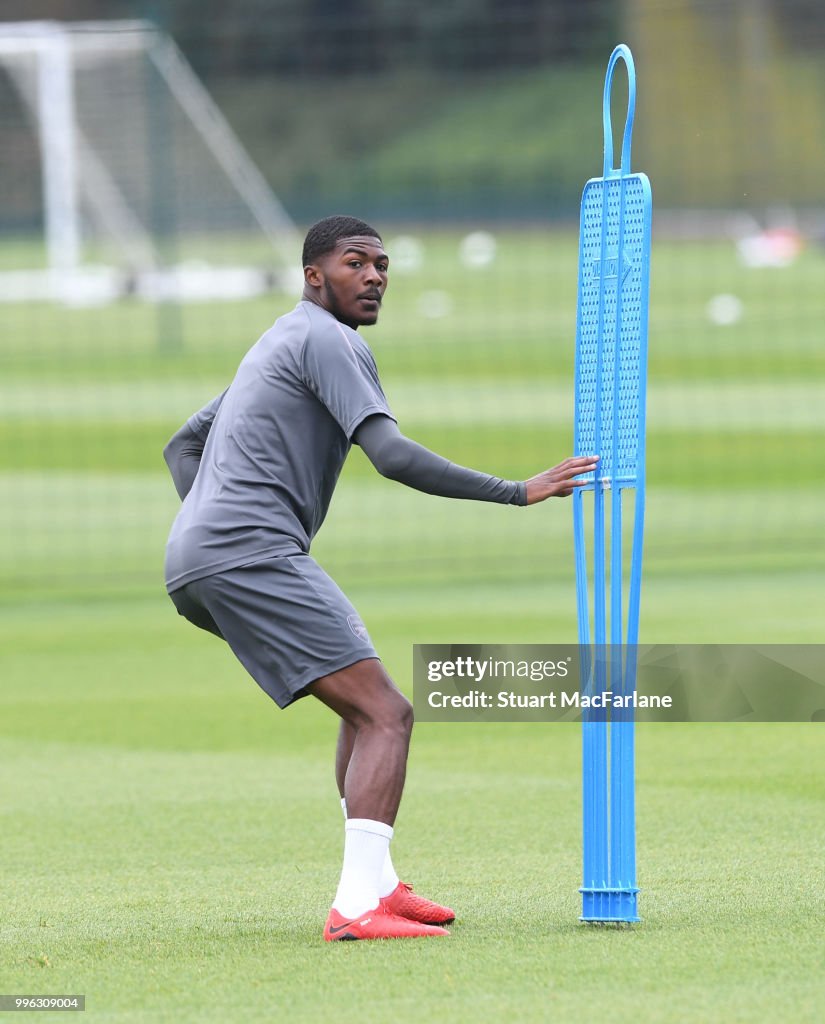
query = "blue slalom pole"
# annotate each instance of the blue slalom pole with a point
(611, 361)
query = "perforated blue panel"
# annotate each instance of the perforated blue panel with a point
(614, 270)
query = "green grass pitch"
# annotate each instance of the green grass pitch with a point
(170, 841)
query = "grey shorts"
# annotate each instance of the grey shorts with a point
(284, 618)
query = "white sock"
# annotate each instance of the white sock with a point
(389, 879)
(365, 848)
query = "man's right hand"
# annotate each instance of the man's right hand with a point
(560, 482)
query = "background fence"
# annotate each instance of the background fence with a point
(465, 132)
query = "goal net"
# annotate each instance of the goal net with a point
(121, 177)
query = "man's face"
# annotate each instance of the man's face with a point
(351, 280)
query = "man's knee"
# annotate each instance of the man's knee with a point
(364, 695)
(403, 713)
(384, 707)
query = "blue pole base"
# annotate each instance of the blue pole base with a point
(609, 905)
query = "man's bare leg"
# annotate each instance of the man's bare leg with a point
(343, 752)
(377, 720)
(370, 767)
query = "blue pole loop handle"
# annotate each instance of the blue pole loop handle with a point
(624, 53)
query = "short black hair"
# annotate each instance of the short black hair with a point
(323, 236)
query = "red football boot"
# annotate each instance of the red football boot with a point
(376, 924)
(403, 902)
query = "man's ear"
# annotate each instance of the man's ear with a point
(313, 276)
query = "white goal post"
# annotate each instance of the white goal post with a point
(145, 189)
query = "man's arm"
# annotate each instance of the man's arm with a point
(184, 449)
(398, 458)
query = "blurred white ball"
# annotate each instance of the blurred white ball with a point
(725, 310)
(406, 253)
(478, 249)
